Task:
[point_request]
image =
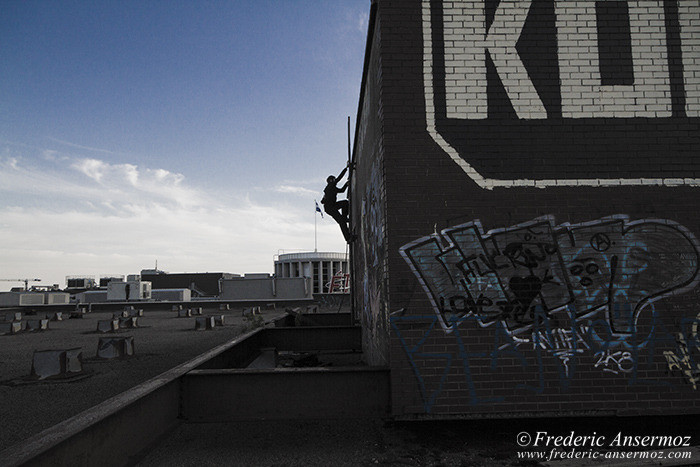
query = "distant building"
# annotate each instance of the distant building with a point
(172, 295)
(92, 296)
(24, 298)
(104, 280)
(80, 282)
(132, 289)
(56, 298)
(328, 271)
(265, 287)
(201, 284)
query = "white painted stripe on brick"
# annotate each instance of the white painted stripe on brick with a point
(490, 183)
(689, 17)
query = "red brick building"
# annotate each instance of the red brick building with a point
(525, 198)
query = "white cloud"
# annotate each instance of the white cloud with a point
(362, 21)
(46, 182)
(93, 168)
(93, 217)
(296, 190)
(134, 185)
(52, 156)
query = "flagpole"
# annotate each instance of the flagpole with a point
(315, 231)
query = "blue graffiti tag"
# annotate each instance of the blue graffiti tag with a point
(562, 291)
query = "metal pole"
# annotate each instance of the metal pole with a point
(351, 267)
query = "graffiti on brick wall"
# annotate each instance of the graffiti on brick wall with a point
(371, 259)
(609, 266)
(560, 290)
(531, 370)
(685, 358)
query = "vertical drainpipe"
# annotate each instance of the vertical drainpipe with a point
(351, 246)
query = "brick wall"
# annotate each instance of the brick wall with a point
(370, 275)
(539, 185)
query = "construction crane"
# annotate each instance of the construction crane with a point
(26, 281)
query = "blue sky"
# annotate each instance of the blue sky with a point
(194, 133)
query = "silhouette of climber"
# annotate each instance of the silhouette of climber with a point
(338, 210)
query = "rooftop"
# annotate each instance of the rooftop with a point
(313, 256)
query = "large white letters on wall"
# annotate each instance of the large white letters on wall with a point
(583, 94)
(606, 59)
(466, 44)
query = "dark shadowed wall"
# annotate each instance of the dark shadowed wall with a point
(370, 274)
(526, 200)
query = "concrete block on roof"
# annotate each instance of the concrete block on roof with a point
(56, 363)
(255, 310)
(46, 363)
(115, 347)
(17, 316)
(224, 306)
(11, 328)
(57, 316)
(35, 325)
(184, 313)
(108, 325)
(129, 322)
(78, 314)
(130, 312)
(74, 361)
(219, 320)
(204, 323)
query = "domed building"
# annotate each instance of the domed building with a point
(328, 271)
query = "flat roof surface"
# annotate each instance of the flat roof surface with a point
(162, 341)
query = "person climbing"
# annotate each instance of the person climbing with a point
(338, 210)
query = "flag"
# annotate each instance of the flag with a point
(318, 209)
